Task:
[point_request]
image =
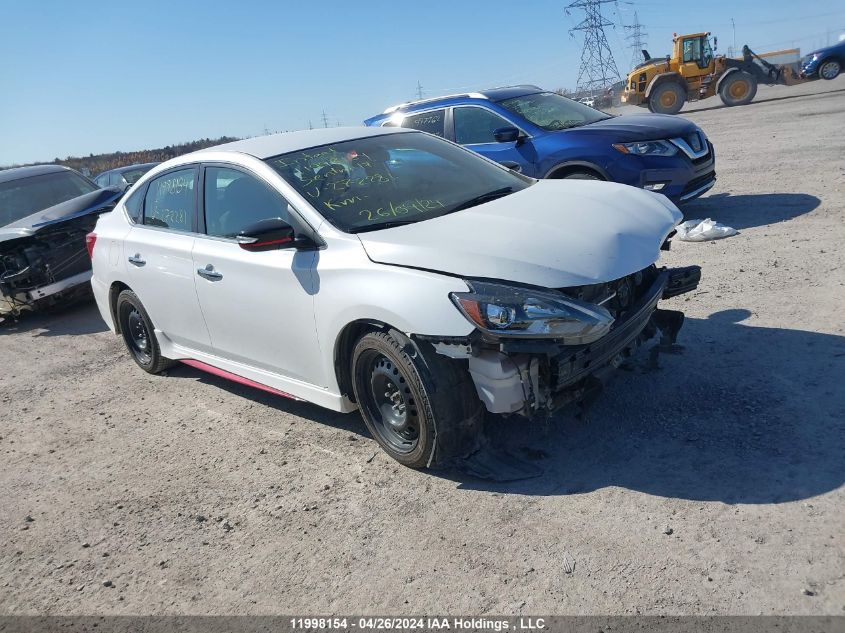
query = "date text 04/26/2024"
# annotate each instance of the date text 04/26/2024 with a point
(418, 623)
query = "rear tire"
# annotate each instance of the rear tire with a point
(667, 98)
(138, 333)
(738, 89)
(830, 69)
(421, 407)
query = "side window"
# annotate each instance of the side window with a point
(115, 179)
(431, 122)
(476, 125)
(692, 50)
(169, 202)
(234, 200)
(102, 180)
(133, 206)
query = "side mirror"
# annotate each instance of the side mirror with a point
(267, 235)
(715, 43)
(506, 135)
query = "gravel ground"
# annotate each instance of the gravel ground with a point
(711, 485)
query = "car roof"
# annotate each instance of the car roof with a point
(120, 170)
(16, 173)
(135, 166)
(263, 147)
(491, 94)
(509, 92)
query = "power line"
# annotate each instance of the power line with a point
(637, 38)
(598, 69)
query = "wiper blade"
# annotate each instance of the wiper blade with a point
(484, 197)
(382, 225)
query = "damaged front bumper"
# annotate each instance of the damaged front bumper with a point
(530, 377)
(43, 257)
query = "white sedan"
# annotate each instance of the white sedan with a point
(386, 270)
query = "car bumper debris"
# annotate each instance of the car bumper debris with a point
(538, 377)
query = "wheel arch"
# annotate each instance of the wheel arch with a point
(725, 75)
(114, 291)
(571, 166)
(663, 78)
(832, 57)
(345, 343)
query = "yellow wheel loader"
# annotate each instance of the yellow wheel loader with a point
(694, 71)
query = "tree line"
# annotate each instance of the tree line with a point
(94, 164)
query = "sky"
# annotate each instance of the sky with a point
(91, 77)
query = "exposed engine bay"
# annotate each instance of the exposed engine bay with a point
(46, 262)
(537, 377)
(33, 268)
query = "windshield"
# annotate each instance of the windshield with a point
(552, 112)
(377, 182)
(131, 176)
(23, 197)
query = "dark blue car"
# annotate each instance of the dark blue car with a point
(825, 62)
(545, 135)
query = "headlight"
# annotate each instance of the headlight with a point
(647, 148)
(512, 311)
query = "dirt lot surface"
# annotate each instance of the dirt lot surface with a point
(712, 485)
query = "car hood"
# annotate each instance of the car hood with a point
(637, 127)
(553, 234)
(836, 48)
(93, 202)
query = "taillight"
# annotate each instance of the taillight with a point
(90, 240)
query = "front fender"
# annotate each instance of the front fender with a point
(353, 289)
(578, 163)
(726, 74)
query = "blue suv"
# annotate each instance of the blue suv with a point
(544, 135)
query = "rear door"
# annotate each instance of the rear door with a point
(157, 256)
(259, 306)
(474, 127)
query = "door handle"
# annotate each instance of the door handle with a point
(209, 273)
(136, 259)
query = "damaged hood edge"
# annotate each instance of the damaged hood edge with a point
(554, 234)
(86, 204)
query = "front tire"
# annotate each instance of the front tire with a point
(581, 175)
(738, 89)
(830, 69)
(138, 333)
(667, 98)
(420, 407)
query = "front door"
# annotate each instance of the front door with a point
(474, 128)
(259, 306)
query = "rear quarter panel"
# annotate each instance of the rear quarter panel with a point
(107, 259)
